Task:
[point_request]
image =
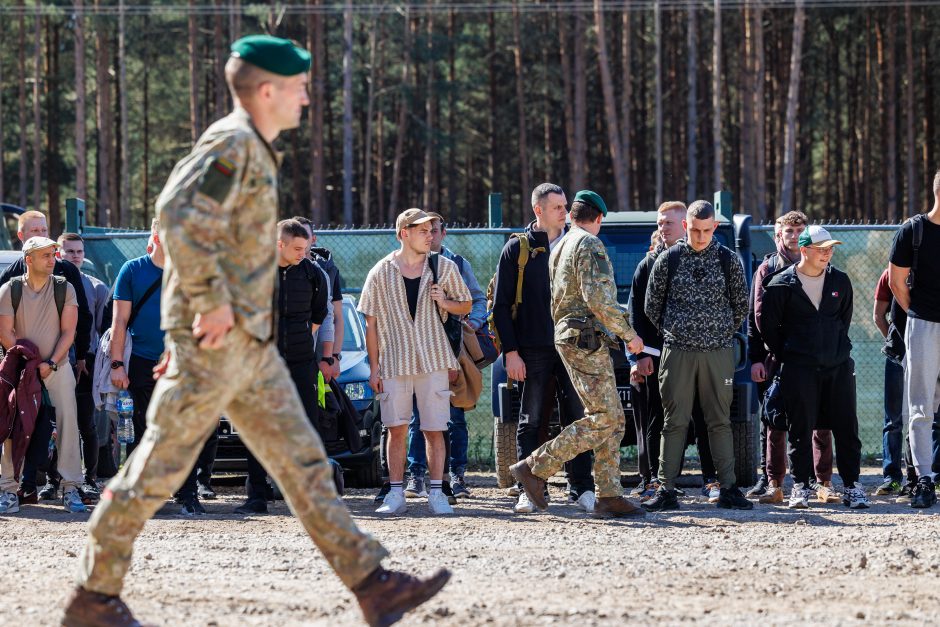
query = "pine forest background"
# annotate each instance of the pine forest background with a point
(827, 107)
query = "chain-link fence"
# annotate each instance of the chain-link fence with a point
(864, 256)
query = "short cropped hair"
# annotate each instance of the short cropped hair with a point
(792, 218)
(671, 205)
(700, 210)
(583, 213)
(936, 183)
(289, 229)
(305, 221)
(244, 78)
(69, 237)
(543, 190)
(32, 214)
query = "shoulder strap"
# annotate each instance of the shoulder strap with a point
(143, 299)
(524, 248)
(459, 261)
(725, 253)
(672, 264)
(433, 262)
(918, 223)
(59, 292)
(16, 292)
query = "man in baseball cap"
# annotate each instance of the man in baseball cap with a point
(805, 319)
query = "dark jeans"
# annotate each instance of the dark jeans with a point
(894, 425)
(142, 383)
(304, 376)
(546, 379)
(810, 394)
(37, 454)
(459, 442)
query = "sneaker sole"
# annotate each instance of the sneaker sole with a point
(798, 506)
(659, 509)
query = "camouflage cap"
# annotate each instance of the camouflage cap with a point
(276, 55)
(591, 198)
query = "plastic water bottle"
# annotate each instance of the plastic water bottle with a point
(125, 426)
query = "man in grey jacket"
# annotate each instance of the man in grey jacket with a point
(697, 298)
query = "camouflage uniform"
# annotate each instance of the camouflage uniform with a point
(583, 291)
(218, 215)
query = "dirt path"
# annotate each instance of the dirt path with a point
(774, 566)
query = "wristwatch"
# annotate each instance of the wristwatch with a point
(329, 360)
(338, 356)
(53, 365)
(115, 364)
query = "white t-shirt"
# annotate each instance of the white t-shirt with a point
(813, 286)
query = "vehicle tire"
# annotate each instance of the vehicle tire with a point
(370, 476)
(746, 454)
(504, 451)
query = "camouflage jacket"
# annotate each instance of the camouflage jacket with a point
(218, 217)
(583, 287)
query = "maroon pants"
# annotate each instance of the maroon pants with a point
(777, 455)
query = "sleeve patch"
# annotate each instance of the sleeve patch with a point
(601, 262)
(217, 179)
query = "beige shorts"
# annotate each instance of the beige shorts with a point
(432, 393)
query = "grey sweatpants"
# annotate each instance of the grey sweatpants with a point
(922, 384)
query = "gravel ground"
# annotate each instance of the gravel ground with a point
(772, 565)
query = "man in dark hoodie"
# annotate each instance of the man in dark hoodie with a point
(697, 297)
(787, 231)
(805, 319)
(528, 338)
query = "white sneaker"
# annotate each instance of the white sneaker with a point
(524, 505)
(514, 490)
(854, 497)
(800, 496)
(9, 503)
(72, 501)
(586, 501)
(438, 503)
(392, 504)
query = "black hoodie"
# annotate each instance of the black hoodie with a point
(796, 332)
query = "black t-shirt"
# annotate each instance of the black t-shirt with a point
(411, 289)
(925, 294)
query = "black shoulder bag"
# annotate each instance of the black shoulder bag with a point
(452, 323)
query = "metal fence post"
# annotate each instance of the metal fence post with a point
(723, 205)
(74, 215)
(496, 210)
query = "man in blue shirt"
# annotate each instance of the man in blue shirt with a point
(137, 290)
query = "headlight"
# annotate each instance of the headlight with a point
(357, 391)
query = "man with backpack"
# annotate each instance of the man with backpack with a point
(697, 297)
(522, 315)
(43, 308)
(914, 268)
(787, 231)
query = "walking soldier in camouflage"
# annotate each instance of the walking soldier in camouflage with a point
(218, 214)
(586, 313)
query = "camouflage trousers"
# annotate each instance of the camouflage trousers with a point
(601, 429)
(246, 380)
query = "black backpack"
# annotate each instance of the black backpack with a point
(59, 291)
(672, 265)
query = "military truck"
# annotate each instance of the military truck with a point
(627, 238)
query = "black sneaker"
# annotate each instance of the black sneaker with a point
(205, 492)
(640, 487)
(252, 506)
(887, 487)
(731, 498)
(192, 507)
(380, 497)
(48, 492)
(663, 500)
(459, 486)
(760, 488)
(925, 494)
(448, 492)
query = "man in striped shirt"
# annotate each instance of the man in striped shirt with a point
(409, 353)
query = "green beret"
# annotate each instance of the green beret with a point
(593, 199)
(276, 55)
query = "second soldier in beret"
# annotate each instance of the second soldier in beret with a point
(587, 316)
(218, 215)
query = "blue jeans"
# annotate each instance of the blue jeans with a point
(893, 425)
(459, 441)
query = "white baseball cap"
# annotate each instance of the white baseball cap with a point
(817, 237)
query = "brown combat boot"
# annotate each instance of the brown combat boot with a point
(616, 507)
(386, 595)
(533, 486)
(91, 609)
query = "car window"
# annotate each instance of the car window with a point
(353, 337)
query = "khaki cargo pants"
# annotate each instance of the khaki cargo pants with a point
(246, 380)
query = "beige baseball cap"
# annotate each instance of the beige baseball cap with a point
(411, 217)
(37, 243)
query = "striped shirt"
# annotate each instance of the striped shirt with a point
(410, 347)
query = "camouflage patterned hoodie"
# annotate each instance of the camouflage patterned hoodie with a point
(695, 315)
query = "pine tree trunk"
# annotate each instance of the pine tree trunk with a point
(145, 166)
(347, 114)
(21, 103)
(658, 98)
(81, 160)
(316, 44)
(929, 166)
(380, 139)
(402, 128)
(428, 183)
(793, 100)
(491, 172)
(760, 158)
(692, 121)
(218, 79)
(37, 116)
(718, 181)
(913, 186)
(520, 106)
(452, 113)
(235, 20)
(580, 153)
(892, 190)
(366, 186)
(626, 104)
(746, 152)
(614, 138)
(104, 121)
(53, 95)
(124, 172)
(195, 121)
(564, 48)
